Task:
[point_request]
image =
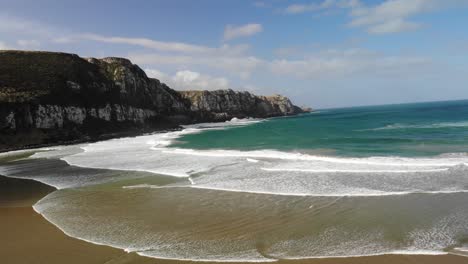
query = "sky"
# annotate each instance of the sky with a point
(320, 53)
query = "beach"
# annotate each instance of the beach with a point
(28, 238)
(184, 196)
(177, 132)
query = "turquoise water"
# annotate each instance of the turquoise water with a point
(335, 183)
(421, 129)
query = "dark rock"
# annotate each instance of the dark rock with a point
(51, 97)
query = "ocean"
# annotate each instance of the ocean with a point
(343, 182)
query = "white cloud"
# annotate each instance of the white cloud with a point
(28, 34)
(32, 33)
(189, 80)
(4, 46)
(392, 16)
(232, 32)
(18, 26)
(336, 63)
(324, 64)
(261, 4)
(193, 80)
(165, 46)
(393, 26)
(389, 16)
(242, 66)
(157, 74)
(143, 42)
(233, 59)
(302, 8)
(28, 43)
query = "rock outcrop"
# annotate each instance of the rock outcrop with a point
(221, 105)
(50, 97)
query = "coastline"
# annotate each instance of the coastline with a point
(125, 134)
(90, 140)
(32, 239)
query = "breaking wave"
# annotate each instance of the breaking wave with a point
(398, 126)
(273, 171)
(249, 206)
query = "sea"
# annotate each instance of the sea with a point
(346, 182)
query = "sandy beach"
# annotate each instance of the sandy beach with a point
(28, 238)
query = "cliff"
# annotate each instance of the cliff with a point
(221, 105)
(50, 97)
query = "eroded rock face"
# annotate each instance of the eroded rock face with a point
(48, 116)
(75, 114)
(226, 104)
(49, 97)
(55, 116)
(9, 121)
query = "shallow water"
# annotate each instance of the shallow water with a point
(319, 185)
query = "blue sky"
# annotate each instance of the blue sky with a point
(322, 53)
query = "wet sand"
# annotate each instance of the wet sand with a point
(26, 237)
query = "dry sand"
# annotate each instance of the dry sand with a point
(27, 238)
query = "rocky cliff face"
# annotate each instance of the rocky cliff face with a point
(49, 97)
(221, 105)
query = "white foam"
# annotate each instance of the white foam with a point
(421, 126)
(395, 252)
(418, 252)
(14, 152)
(351, 171)
(429, 237)
(356, 193)
(191, 180)
(276, 172)
(152, 186)
(266, 172)
(274, 154)
(254, 258)
(269, 171)
(460, 251)
(464, 249)
(252, 255)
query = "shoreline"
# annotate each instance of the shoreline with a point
(30, 236)
(130, 133)
(28, 231)
(89, 140)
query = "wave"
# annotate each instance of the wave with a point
(464, 249)
(334, 187)
(262, 171)
(460, 251)
(394, 252)
(279, 155)
(352, 171)
(41, 206)
(261, 259)
(359, 194)
(259, 171)
(433, 237)
(234, 122)
(142, 252)
(255, 257)
(399, 126)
